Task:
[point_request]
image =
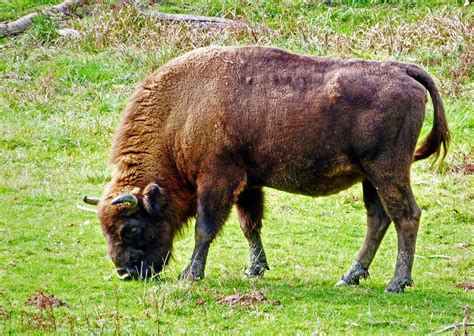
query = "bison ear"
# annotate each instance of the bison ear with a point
(151, 198)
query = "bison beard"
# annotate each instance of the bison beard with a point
(212, 128)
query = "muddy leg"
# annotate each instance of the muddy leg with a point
(250, 210)
(398, 201)
(377, 225)
(215, 199)
(407, 230)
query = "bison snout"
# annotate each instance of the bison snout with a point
(135, 272)
(125, 273)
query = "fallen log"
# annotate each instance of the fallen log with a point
(182, 17)
(18, 26)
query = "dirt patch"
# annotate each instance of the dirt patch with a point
(4, 313)
(468, 169)
(467, 286)
(200, 302)
(466, 166)
(243, 299)
(465, 169)
(44, 301)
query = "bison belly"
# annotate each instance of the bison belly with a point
(314, 179)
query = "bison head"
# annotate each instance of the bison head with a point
(137, 230)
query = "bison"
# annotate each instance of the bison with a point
(211, 128)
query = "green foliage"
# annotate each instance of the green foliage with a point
(61, 99)
(44, 29)
(12, 9)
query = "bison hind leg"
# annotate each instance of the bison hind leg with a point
(352, 277)
(250, 211)
(377, 225)
(393, 187)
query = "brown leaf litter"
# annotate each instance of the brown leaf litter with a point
(44, 301)
(467, 286)
(243, 299)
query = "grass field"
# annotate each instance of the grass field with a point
(61, 99)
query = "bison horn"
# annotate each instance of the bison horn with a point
(85, 208)
(91, 200)
(126, 198)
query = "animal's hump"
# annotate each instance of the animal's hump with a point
(210, 52)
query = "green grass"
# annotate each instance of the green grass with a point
(12, 9)
(61, 99)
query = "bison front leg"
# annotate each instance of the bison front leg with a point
(216, 196)
(204, 234)
(377, 225)
(250, 210)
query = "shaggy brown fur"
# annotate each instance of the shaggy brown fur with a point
(211, 128)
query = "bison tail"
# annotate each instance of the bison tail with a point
(439, 135)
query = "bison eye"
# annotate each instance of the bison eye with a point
(131, 232)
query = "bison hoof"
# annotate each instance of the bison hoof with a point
(397, 285)
(256, 271)
(341, 283)
(191, 275)
(357, 272)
